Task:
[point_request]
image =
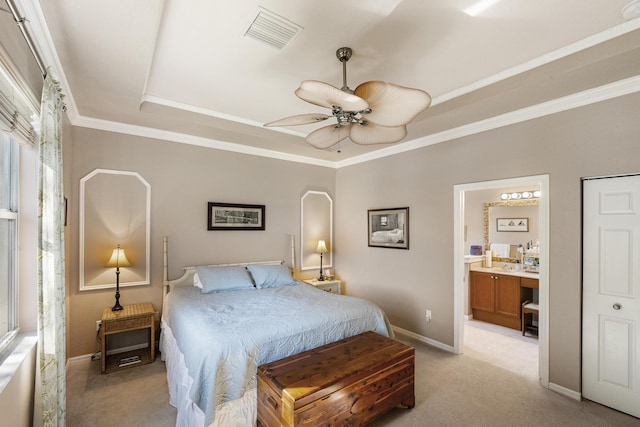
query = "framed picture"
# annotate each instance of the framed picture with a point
(232, 216)
(389, 228)
(512, 224)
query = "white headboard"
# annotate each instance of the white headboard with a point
(187, 276)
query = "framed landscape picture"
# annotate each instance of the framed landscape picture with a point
(233, 216)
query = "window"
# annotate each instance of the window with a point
(9, 150)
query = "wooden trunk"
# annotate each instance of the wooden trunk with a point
(348, 382)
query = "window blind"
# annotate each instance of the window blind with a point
(18, 111)
(15, 123)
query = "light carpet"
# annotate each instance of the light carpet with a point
(473, 389)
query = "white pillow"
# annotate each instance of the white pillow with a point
(196, 281)
(220, 279)
(270, 276)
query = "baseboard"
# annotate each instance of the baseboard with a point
(423, 339)
(468, 317)
(571, 394)
(78, 359)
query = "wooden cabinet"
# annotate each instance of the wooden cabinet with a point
(483, 292)
(526, 282)
(131, 318)
(508, 296)
(495, 298)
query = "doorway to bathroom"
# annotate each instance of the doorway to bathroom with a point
(464, 192)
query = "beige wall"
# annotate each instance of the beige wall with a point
(595, 140)
(183, 179)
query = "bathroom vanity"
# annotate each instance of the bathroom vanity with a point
(496, 294)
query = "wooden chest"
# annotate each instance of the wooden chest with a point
(349, 382)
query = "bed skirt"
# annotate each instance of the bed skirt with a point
(241, 412)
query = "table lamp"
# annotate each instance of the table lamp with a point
(322, 247)
(118, 259)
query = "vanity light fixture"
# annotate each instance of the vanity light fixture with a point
(516, 195)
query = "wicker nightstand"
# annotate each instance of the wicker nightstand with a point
(131, 318)
(333, 286)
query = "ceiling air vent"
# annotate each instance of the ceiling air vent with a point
(272, 29)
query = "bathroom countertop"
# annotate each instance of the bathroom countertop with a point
(506, 272)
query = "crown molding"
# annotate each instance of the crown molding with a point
(577, 100)
(212, 113)
(147, 132)
(580, 99)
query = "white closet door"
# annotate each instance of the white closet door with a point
(611, 293)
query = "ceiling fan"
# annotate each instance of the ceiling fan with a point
(376, 112)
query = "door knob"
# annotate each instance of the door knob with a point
(617, 306)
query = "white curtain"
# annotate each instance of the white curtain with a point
(51, 275)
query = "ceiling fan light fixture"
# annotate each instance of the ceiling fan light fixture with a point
(376, 112)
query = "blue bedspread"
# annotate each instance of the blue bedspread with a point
(225, 336)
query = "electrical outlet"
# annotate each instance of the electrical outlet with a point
(98, 324)
(428, 315)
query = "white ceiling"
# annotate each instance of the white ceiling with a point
(184, 71)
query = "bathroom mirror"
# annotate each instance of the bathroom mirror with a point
(115, 208)
(510, 209)
(316, 223)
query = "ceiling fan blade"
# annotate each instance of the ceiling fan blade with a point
(328, 136)
(300, 119)
(374, 134)
(325, 95)
(392, 105)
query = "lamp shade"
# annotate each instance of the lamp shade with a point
(322, 247)
(118, 258)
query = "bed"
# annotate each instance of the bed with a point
(387, 236)
(220, 322)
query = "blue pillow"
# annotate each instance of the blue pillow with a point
(220, 279)
(270, 276)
